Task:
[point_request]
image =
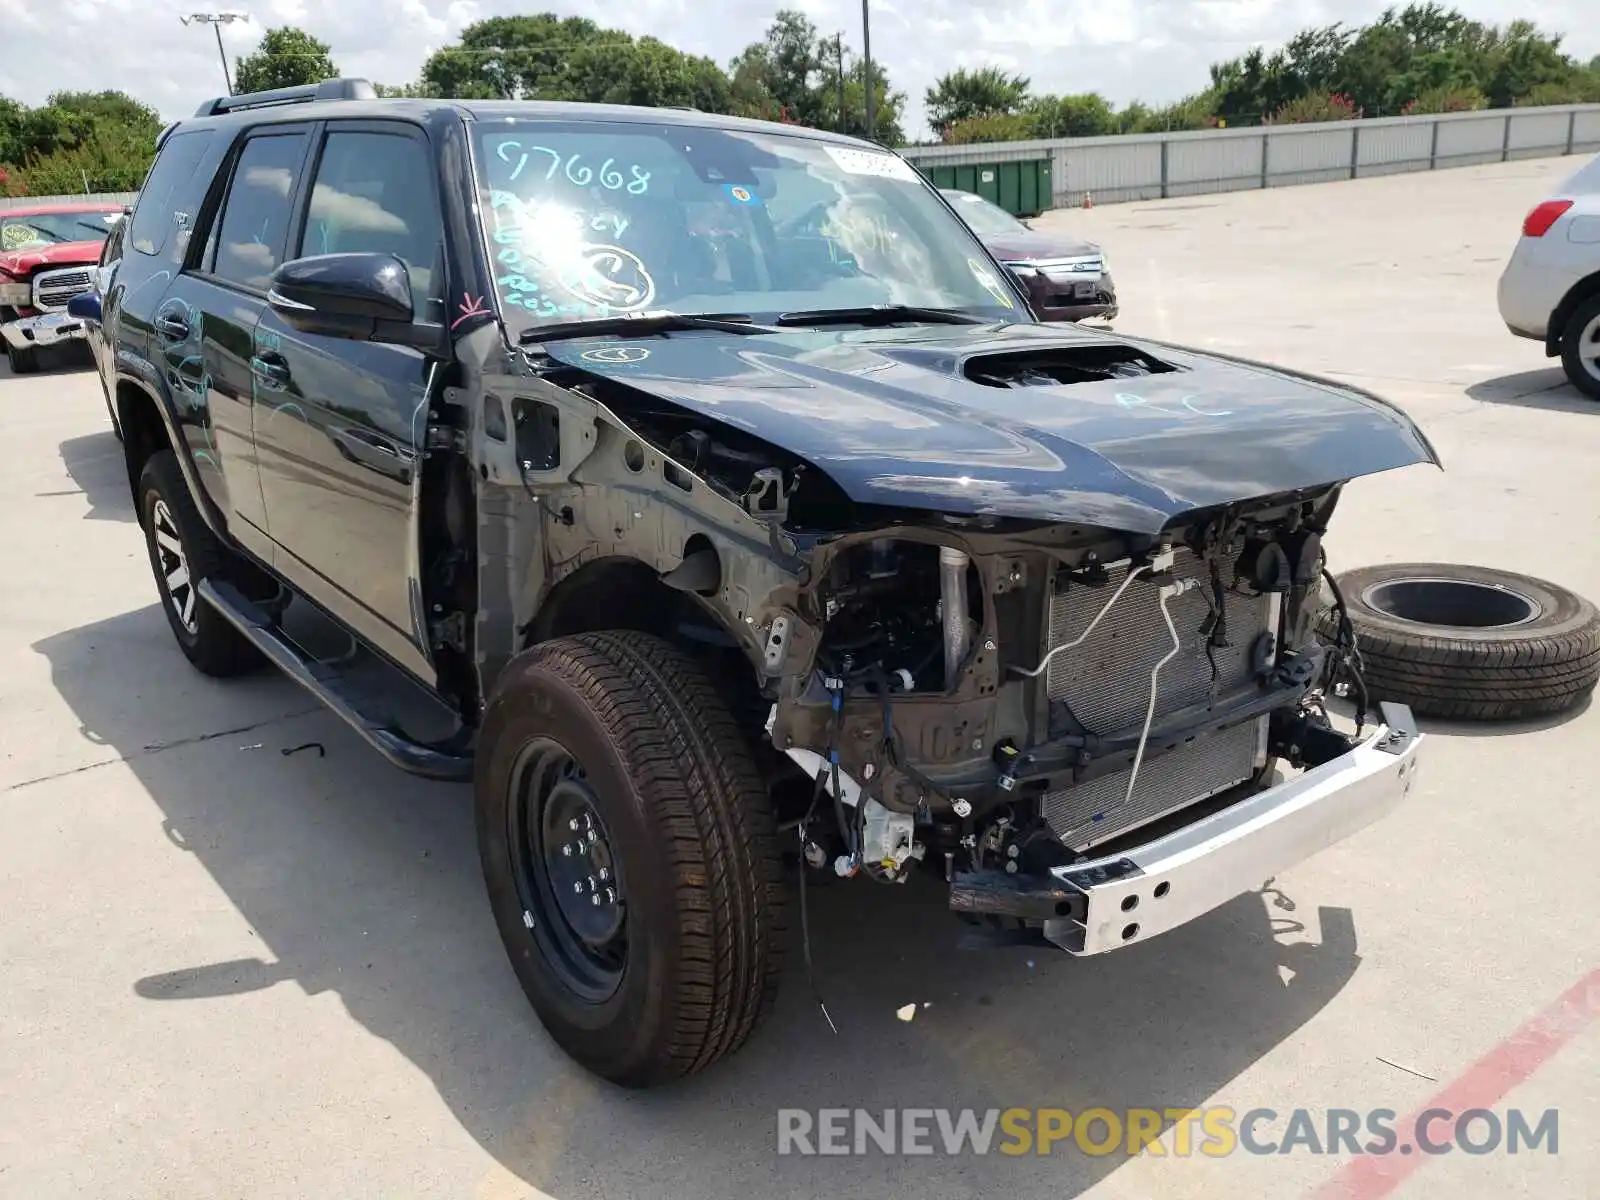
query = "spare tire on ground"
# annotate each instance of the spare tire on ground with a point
(1469, 643)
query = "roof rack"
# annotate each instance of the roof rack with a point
(328, 89)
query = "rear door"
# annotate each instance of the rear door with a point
(206, 322)
(341, 443)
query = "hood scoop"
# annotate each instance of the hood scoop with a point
(1057, 365)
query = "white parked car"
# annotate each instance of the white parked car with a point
(1550, 290)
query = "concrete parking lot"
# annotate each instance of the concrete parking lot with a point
(227, 971)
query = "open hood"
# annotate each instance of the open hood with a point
(1020, 421)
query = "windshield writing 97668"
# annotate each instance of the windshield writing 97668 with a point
(595, 219)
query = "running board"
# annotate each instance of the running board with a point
(449, 760)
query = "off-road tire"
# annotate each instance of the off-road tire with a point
(23, 360)
(213, 645)
(1539, 667)
(1572, 348)
(692, 833)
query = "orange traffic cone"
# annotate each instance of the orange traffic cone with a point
(1088, 199)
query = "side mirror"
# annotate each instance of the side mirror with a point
(85, 306)
(363, 296)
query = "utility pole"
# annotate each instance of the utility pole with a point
(217, 21)
(866, 70)
(838, 43)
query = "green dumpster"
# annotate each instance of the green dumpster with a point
(1021, 188)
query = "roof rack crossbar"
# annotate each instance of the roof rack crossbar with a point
(328, 89)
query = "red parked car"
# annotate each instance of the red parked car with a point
(48, 254)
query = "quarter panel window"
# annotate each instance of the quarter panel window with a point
(153, 217)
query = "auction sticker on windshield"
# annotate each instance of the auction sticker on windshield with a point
(871, 162)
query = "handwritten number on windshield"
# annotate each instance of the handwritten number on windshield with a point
(610, 176)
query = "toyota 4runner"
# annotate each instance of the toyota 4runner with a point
(726, 492)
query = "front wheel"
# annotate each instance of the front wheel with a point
(1580, 348)
(630, 854)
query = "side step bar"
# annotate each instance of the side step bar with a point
(450, 760)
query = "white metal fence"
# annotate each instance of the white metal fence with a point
(1153, 165)
(96, 198)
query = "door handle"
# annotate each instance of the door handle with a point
(172, 328)
(271, 369)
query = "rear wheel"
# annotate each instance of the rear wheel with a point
(1580, 348)
(183, 552)
(23, 360)
(630, 855)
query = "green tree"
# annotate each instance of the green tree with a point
(988, 127)
(1524, 59)
(515, 58)
(792, 74)
(887, 104)
(286, 57)
(647, 72)
(1446, 99)
(1314, 107)
(106, 138)
(1085, 115)
(791, 70)
(546, 57)
(963, 94)
(402, 91)
(1192, 112)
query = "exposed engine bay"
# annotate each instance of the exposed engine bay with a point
(983, 697)
(1017, 708)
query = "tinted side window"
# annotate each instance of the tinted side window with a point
(255, 214)
(152, 218)
(374, 193)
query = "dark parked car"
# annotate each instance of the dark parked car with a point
(717, 482)
(1066, 279)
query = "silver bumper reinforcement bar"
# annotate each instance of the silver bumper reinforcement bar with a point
(1132, 896)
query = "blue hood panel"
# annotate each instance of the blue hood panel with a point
(892, 418)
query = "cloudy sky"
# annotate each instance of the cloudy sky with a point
(1151, 50)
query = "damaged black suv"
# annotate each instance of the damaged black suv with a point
(728, 497)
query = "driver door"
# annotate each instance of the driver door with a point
(340, 423)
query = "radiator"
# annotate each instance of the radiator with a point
(1105, 684)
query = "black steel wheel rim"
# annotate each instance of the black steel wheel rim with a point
(566, 872)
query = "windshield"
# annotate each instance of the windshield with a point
(594, 219)
(983, 216)
(38, 230)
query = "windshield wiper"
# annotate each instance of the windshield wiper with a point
(642, 325)
(880, 314)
